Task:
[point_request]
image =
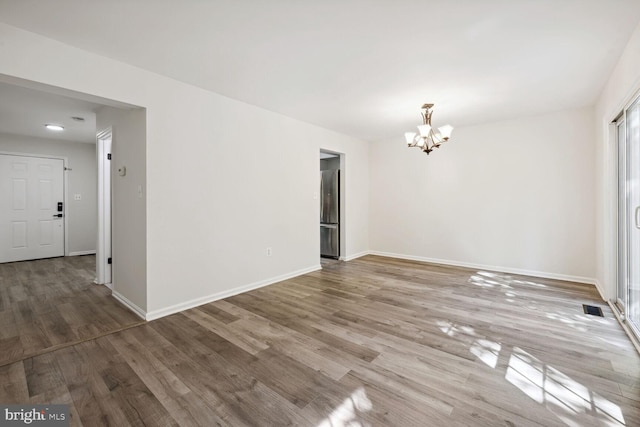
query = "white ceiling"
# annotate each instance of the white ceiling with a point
(25, 111)
(360, 67)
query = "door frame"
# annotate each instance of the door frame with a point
(620, 227)
(104, 275)
(343, 204)
(65, 189)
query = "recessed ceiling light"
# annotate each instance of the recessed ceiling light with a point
(54, 127)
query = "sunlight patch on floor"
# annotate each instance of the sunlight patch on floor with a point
(489, 279)
(566, 398)
(622, 344)
(487, 351)
(483, 282)
(451, 329)
(346, 415)
(576, 324)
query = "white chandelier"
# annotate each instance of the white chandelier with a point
(427, 139)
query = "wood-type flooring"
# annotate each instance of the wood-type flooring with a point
(375, 341)
(49, 303)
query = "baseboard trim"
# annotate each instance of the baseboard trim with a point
(78, 253)
(108, 285)
(534, 273)
(354, 256)
(599, 288)
(130, 305)
(156, 314)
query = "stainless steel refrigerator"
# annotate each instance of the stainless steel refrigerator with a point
(330, 213)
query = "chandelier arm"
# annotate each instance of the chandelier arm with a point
(427, 147)
(437, 141)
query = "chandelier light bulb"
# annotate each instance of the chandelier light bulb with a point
(410, 137)
(445, 131)
(424, 130)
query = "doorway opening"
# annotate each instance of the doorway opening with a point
(86, 124)
(54, 174)
(332, 205)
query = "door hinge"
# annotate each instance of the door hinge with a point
(108, 260)
(109, 156)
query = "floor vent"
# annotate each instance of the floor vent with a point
(592, 310)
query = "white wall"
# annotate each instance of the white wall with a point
(81, 179)
(218, 193)
(622, 86)
(517, 195)
(128, 206)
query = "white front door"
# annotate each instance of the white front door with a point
(31, 209)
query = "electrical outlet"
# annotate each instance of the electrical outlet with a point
(77, 196)
(268, 251)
